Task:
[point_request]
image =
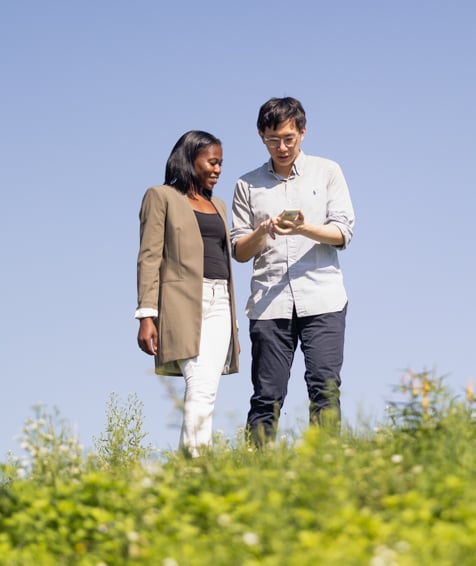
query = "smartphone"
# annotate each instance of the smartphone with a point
(289, 215)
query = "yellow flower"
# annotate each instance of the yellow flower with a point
(469, 391)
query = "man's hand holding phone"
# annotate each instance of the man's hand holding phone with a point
(288, 222)
(289, 215)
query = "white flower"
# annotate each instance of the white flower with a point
(250, 538)
(224, 520)
(103, 529)
(147, 483)
(402, 546)
(153, 469)
(133, 536)
(396, 458)
(169, 562)
(383, 556)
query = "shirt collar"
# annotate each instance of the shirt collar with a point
(298, 165)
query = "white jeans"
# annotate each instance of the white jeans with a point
(202, 373)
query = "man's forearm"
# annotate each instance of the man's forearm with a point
(325, 233)
(251, 244)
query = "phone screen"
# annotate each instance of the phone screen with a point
(289, 214)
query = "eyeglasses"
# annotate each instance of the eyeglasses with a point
(274, 143)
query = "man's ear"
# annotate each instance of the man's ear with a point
(261, 135)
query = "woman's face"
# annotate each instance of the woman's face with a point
(208, 166)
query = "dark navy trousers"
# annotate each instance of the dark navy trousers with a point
(274, 343)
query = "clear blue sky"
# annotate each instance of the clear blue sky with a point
(94, 95)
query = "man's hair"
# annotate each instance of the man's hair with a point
(180, 170)
(279, 110)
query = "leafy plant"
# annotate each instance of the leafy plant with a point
(402, 493)
(52, 449)
(120, 446)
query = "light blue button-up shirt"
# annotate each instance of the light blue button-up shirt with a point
(294, 271)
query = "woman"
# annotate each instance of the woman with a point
(185, 293)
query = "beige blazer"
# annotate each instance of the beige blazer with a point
(170, 276)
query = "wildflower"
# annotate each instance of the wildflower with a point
(417, 469)
(21, 473)
(250, 538)
(169, 562)
(402, 546)
(396, 458)
(102, 529)
(147, 483)
(384, 556)
(469, 391)
(153, 469)
(132, 536)
(414, 389)
(134, 551)
(425, 386)
(80, 547)
(224, 520)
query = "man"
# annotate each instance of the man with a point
(297, 291)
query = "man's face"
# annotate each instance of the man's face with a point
(284, 145)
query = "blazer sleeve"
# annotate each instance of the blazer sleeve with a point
(152, 226)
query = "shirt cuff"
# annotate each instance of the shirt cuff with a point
(146, 312)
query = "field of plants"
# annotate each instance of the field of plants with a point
(399, 494)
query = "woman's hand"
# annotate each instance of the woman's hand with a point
(147, 336)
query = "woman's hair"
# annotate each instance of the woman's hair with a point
(180, 170)
(278, 110)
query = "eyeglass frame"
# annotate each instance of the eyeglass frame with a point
(276, 142)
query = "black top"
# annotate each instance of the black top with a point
(212, 228)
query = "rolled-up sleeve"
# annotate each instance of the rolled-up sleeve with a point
(339, 205)
(242, 216)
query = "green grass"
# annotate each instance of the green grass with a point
(402, 494)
